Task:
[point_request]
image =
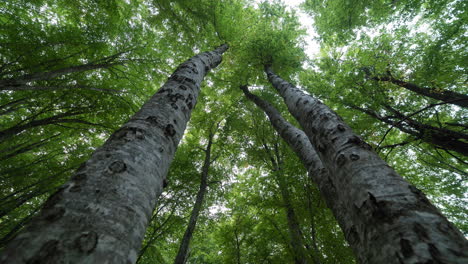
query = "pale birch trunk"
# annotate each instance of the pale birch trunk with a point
(384, 218)
(101, 214)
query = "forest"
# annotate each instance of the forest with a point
(233, 131)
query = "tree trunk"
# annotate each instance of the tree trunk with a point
(296, 239)
(295, 233)
(384, 218)
(441, 137)
(101, 214)
(184, 245)
(444, 95)
(301, 145)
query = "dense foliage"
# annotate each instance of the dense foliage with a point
(71, 72)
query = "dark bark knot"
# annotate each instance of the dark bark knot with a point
(359, 142)
(47, 254)
(406, 248)
(131, 133)
(169, 130)
(165, 183)
(189, 101)
(354, 140)
(379, 209)
(117, 166)
(174, 97)
(353, 236)
(189, 66)
(341, 160)
(354, 157)
(182, 79)
(321, 148)
(435, 253)
(341, 128)
(153, 120)
(87, 241)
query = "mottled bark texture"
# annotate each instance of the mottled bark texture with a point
(101, 214)
(384, 218)
(184, 244)
(301, 145)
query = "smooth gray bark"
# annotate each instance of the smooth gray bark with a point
(384, 218)
(182, 255)
(101, 214)
(301, 145)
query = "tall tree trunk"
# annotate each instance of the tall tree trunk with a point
(295, 233)
(301, 145)
(101, 214)
(184, 245)
(444, 95)
(296, 239)
(384, 218)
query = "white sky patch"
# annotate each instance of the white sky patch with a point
(312, 48)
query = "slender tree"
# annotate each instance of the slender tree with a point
(181, 256)
(443, 95)
(101, 214)
(384, 218)
(301, 145)
(295, 234)
(441, 137)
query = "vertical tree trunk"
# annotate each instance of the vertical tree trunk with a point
(301, 145)
(384, 218)
(101, 214)
(296, 239)
(295, 233)
(184, 245)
